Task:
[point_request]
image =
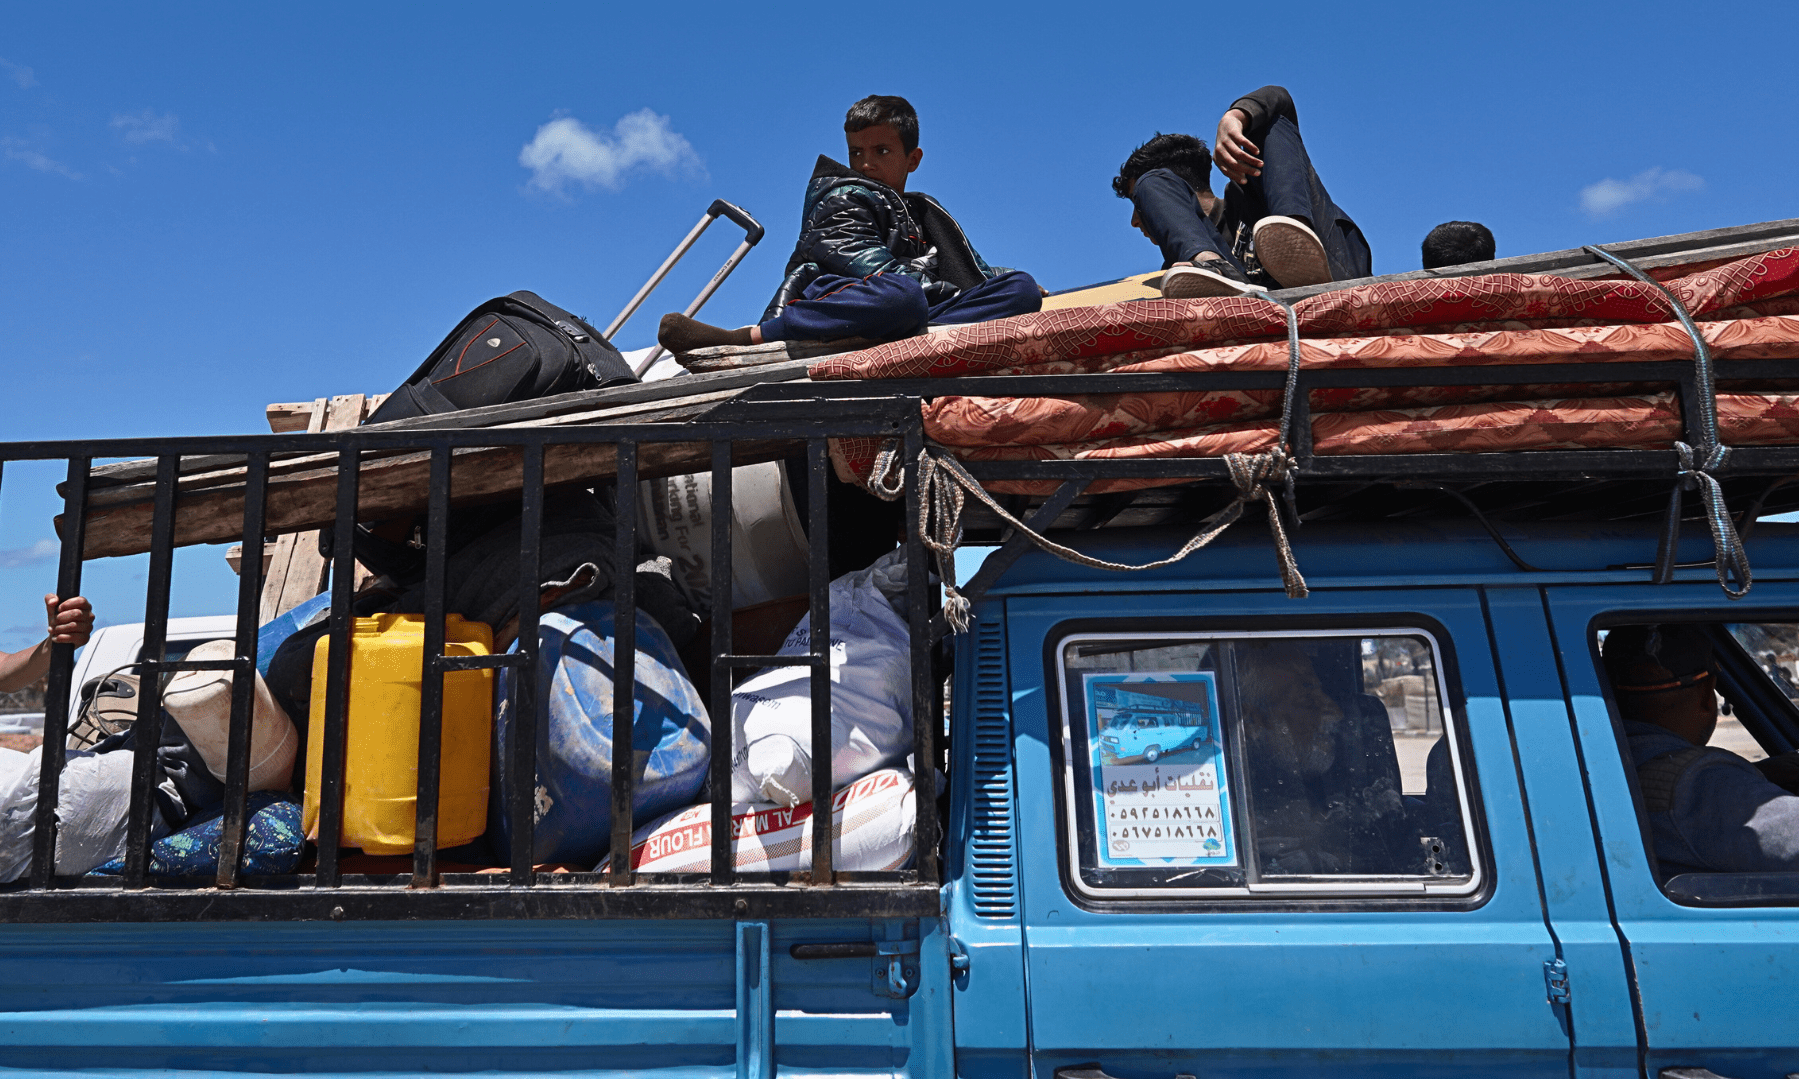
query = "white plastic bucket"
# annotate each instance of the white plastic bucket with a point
(768, 545)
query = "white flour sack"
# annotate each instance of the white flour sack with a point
(872, 823)
(871, 694)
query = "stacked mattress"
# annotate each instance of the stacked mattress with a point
(1746, 309)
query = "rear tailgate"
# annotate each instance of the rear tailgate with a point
(680, 997)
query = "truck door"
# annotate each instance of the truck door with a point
(1715, 956)
(1335, 875)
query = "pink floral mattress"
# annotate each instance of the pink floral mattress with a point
(1747, 309)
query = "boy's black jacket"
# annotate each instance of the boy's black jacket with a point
(854, 226)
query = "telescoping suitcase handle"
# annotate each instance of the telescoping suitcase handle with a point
(752, 234)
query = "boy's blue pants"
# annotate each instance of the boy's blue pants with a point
(890, 305)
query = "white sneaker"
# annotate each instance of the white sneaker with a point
(1291, 252)
(1194, 282)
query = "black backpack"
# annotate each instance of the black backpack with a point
(511, 348)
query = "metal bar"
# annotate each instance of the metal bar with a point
(818, 545)
(431, 674)
(493, 662)
(624, 665)
(243, 682)
(57, 690)
(649, 286)
(1015, 547)
(523, 747)
(723, 870)
(755, 1003)
(919, 597)
(699, 301)
(147, 731)
(337, 674)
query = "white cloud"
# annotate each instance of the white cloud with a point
(18, 73)
(566, 150)
(1608, 196)
(146, 126)
(20, 151)
(40, 551)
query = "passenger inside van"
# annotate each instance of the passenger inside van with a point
(1323, 778)
(1709, 809)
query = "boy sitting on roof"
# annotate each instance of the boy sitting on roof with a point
(873, 259)
(1275, 222)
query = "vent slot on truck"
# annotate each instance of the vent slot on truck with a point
(994, 875)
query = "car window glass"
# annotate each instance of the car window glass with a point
(1262, 762)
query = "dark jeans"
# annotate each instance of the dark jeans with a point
(893, 305)
(1288, 187)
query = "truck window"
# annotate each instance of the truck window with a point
(1716, 801)
(1261, 763)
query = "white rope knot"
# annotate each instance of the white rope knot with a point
(887, 477)
(1729, 556)
(945, 485)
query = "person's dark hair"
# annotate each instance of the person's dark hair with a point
(1455, 242)
(1185, 156)
(895, 112)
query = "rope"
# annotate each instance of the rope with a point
(944, 486)
(947, 485)
(1729, 555)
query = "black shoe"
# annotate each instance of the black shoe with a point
(1212, 277)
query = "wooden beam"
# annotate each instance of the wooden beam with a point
(299, 570)
(392, 487)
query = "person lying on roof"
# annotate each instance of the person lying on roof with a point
(1275, 225)
(1709, 810)
(873, 259)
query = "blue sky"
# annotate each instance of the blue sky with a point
(207, 208)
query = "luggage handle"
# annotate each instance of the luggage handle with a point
(752, 235)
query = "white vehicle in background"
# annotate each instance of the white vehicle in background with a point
(112, 647)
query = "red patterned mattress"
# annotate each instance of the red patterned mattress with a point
(1747, 309)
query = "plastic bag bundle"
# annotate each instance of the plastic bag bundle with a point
(872, 828)
(871, 695)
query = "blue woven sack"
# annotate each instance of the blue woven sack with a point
(670, 734)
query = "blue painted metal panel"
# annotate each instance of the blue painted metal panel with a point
(1604, 1027)
(1719, 988)
(546, 997)
(1285, 991)
(983, 893)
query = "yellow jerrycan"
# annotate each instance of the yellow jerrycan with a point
(381, 740)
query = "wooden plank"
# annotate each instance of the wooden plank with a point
(294, 416)
(308, 569)
(281, 559)
(393, 487)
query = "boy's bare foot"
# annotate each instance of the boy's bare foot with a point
(1210, 277)
(1291, 252)
(678, 333)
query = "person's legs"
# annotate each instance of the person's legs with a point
(1012, 293)
(1169, 215)
(1310, 240)
(1197, 259)
(884, 305)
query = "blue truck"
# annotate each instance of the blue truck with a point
(1406, 839)
(1538, 941)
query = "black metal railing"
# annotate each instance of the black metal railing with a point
(763, 422)
(328, 891)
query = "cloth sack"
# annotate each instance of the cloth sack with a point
(873, 822)
(273, 843)
(871, 695)
(92, 801)
(671, 735)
